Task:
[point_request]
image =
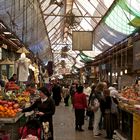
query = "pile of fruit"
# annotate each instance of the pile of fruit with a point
(11, 86)
(129, 93)
(22, 99)
(8, 109)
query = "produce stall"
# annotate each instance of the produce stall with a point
(11, 125)
(12, 98)
(129, 113)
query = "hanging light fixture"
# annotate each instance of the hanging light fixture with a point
(125, 71)
(129, 44)
(113, 62)
(116, 64)
(113, 74)
(121, 72)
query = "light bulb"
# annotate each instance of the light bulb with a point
(113, 74)
(121, 72)
(116, 74)
(125, 71)
(108, 73)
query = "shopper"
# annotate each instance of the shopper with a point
(45, 109)
(110, 118)
(56, 93)
(80, 104)
(87, 90)
(66, 94)
(98, 108)
(90, 106)
(13, 78)
(73, 90)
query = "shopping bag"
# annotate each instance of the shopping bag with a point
(46, 131)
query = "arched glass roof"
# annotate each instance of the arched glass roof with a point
(47, 26)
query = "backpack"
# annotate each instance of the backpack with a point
(114, 108)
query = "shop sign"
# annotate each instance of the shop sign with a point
(136, 56)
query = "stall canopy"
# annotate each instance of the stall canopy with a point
(47, 26)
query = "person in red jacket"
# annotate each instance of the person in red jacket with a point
(79, 104)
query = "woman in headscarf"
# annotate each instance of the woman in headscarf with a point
(45, 109)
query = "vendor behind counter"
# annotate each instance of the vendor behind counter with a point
(31, 89)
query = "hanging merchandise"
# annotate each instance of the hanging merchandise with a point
(23, 69)
(36, 73)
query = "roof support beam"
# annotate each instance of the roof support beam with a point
(69, 16)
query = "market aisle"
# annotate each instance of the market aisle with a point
(64, 128)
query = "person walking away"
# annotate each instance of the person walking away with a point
(90, 104)
(72, 91)
(56, 91)
(66, 94)
(13, 78)
(80, 104)
(87, 90)
(98, 108)
(45, 107)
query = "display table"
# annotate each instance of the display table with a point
(129, 123)
(12, 125)
(136, 127)
(126, 123)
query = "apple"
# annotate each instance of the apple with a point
(5, 105)
(4, 102)
(10, 103)
(16, 105)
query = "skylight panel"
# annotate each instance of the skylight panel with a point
(119, 20)
(86, 25)
(107, 3)
(106, 42)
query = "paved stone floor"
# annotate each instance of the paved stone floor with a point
(64, 128)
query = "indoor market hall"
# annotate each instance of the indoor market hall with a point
(64, 126)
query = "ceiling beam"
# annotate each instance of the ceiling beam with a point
(70, 16)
